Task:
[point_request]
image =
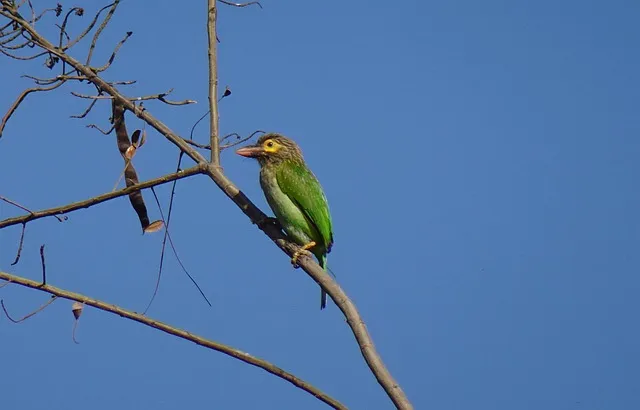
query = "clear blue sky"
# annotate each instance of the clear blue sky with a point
(481, 163)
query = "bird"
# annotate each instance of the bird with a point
(295, 196)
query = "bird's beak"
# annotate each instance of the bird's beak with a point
(250, 151)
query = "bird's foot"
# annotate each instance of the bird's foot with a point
(302, 251)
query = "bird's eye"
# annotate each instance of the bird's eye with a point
(270, 144)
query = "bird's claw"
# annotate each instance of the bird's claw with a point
(302, 251)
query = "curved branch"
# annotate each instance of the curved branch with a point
(183, 334)
(21, 98)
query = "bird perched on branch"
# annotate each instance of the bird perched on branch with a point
(295, 196)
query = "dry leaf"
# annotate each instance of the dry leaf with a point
(154, 226)
(76, 308)
(130, 152)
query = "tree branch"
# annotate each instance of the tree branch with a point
(198, 169)
(214, 137)
(183, 334)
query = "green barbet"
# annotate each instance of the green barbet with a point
(295, 196)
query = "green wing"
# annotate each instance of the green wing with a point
(301, 186)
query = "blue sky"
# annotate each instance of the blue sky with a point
(481, 164)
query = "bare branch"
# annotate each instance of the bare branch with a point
(15, 57)
(7, 200)
(19, 100)
(107, 132)
(159, 97)
(195, 144)
(47, 81)
(183, 334)
(85, 112)
(10, 37)
(63, 28)
(214, 127)
(87, 203)
(113, 54)
(102, 26)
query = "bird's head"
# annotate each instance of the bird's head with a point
(272, 148)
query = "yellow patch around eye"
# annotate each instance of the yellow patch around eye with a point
(271, 146)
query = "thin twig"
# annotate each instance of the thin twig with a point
(22, 319)
(107, 132)
(164, 239)
(47, 81)
(113, 55)
(239, 141)
(16, 57)
(175, 253)
(44, 266)
(241, 4)
(15, 262)
(9, 201)
(84, 114)
(159, 97)
(183, 334)
(21, 98)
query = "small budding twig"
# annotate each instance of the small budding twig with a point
(19, 252)
(44, 266)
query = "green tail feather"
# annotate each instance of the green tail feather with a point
(323, 294)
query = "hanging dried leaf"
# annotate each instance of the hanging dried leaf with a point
(154, 226)
(143, 139)
(135, 137)
(130, 152)
(76, 308)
